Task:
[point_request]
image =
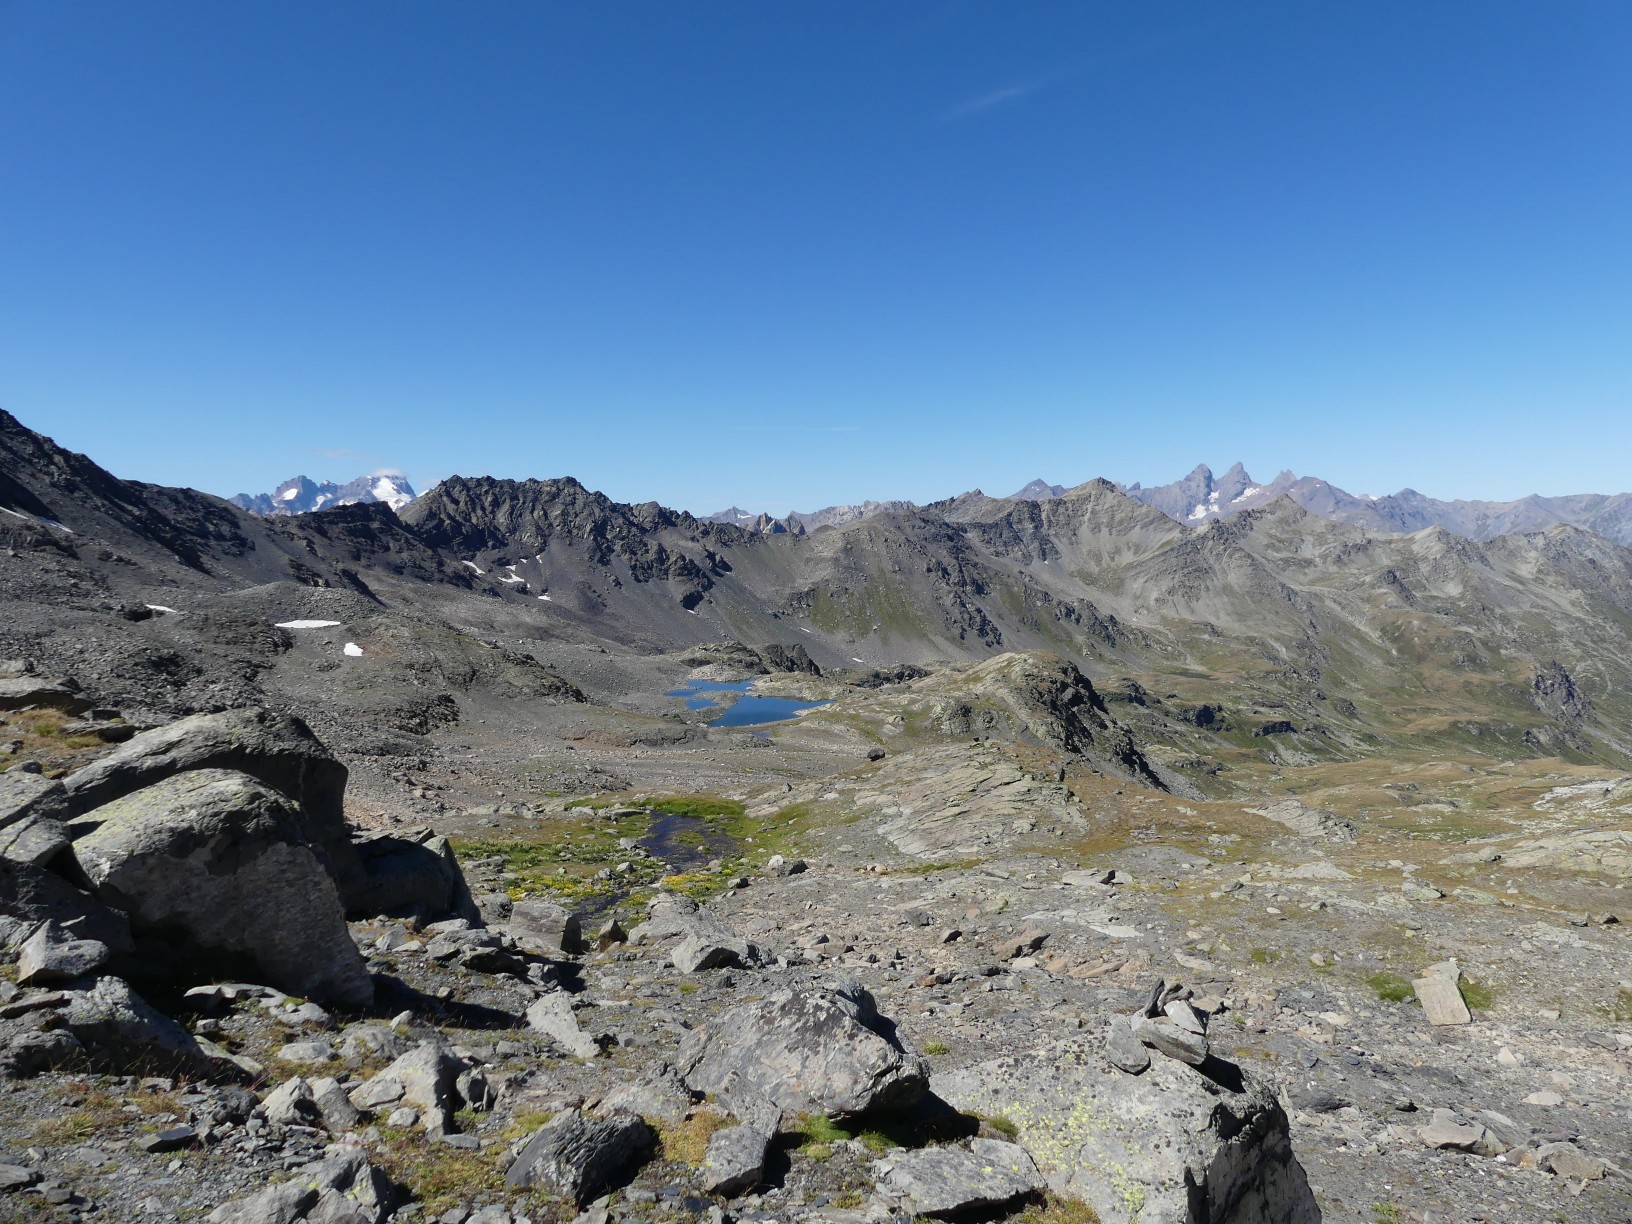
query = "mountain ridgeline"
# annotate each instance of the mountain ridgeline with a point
(1201, 497)
(1273, 629)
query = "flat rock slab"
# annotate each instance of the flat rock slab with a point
(552, 1015)
(1441, 1000)
(939, 1181)
(1174, 1144)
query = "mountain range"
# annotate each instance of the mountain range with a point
(1201, 497)
(301, 495)
(1294, 634)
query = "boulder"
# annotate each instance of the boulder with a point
(735, 1160)
(1170, 1039)
(41, 840)
(277, 750)
(819, 1050)
(51, 955)
(1124, 1050)
(212, 864)
(426, 1077)
(123, 1033)
(30, 895)
(945, 1181)
(31, 692)
(1440, 995)
(408, 874)
(678, 917)
(342, 1188)
(579, 1157)
(30, 794)
(662, 1096)
(302, 1102)
(1178, 1144)
(552, 1015)
(545, 929)
(696, 953)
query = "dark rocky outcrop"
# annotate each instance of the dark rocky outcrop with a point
(579, 1156)
(820, 1050)
(1554, 692)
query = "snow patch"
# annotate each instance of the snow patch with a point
(546, 599)
(289, 494)
(307, 624)
(511, 578)
(853, 659)
(1248, 492)
(352, 649)
(474, 566)
(157, 608)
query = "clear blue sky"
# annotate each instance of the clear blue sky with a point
(787, 254)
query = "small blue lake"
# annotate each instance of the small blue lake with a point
(746, 710)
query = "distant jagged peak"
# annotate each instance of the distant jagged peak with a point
(1037, 490)
(302, 495)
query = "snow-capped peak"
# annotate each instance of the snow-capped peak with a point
(301, 495)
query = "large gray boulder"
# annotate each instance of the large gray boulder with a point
(410, 873)
(277, 750)
(1175, 1145)
(819, 1050)
(545, 929)
(580, 1157)
(214, 865)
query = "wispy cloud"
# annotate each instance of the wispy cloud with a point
(987, 101)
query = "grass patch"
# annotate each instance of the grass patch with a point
(1264, 956)
(687, 1141)
(524, 1122)
(936, 1047)
(698, 807)
(1390, 987)
(698, 885)
(817, 1131)
(688, 988)
(75, 1127)
(1386, 1213)
(930, 868)
(1477, 995)
(1003, 1126)
(1621, 1009)
(437, 1175)
(1056, 1210)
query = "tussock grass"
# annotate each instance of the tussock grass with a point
(687, 1141)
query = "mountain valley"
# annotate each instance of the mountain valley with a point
(1279, 786)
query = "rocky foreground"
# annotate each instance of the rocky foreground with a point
(891, 999)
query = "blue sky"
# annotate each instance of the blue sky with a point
(790, 254)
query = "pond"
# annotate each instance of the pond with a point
(747, 710)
